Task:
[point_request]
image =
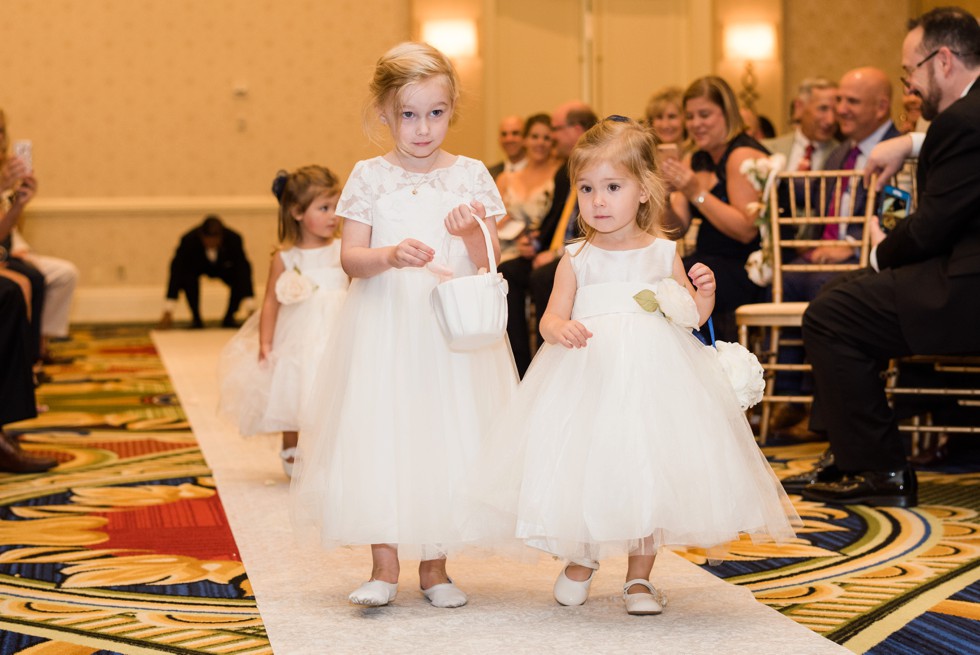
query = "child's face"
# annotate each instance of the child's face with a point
(424, 120)
(319, 221)
(609, 198)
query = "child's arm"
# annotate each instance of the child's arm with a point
(461, 222)
(703, 289)
(359, 259)
(270, 308)
(556, 324)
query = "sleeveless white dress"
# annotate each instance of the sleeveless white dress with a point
(273, 396)
(401, 417)
(633, 442)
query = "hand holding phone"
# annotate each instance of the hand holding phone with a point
(895, 206)
(669, 151)
(24, 150)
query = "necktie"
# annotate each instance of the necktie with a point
(558, 240)
(831, 231)
(806, 163)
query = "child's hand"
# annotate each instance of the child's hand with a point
(703, 278)
(265, 350)
(411, 253)
(573, 334)
(461, 221)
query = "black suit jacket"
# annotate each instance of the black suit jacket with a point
(191, 254)
(496, 169)
(549, 223)
(934, 254)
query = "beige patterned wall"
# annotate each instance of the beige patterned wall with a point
(830, 37)
(190, 97)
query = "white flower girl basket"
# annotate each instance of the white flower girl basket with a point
(472, 310)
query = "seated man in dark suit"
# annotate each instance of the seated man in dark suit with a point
(214, 250)
(864, 112)
(919, 296)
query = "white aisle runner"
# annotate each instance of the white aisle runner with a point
(302, 592)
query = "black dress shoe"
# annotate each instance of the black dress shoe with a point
(876, 488)
(15, 460)
(823, 471)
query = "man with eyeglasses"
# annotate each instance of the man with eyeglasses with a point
(920, 296)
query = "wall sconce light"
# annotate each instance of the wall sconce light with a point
(455, 38)
(750, 42)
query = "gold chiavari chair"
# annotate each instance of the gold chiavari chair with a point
(824, 203)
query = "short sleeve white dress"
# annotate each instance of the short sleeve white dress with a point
(273, 396)
(633, 442)
(401, 416)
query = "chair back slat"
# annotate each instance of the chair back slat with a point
(824, 203)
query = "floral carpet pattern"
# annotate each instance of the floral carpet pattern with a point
(124, 547)
(884, 581)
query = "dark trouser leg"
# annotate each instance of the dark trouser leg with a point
(17, 401)
(541, 283)
(184, 276)
(239, 281)
(36, 278)
(850, 331)
(517, 272)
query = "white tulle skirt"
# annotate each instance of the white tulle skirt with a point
(399, 423)
(274, 395)
(632, 443)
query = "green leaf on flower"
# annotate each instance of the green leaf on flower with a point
(647, 300)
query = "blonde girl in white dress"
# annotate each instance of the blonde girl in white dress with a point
(625, 434)
(403, 416)
(268, 368)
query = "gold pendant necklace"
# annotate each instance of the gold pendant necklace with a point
(421, 179)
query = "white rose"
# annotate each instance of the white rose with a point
(293, 287)
(762, 168)
(744, 372)
(747, 168)
(758, 270)
(676, 303)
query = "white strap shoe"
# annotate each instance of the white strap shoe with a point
(374, 593)
(642, 604)
(446, 594)
(570, 592)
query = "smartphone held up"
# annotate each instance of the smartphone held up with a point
(24, 150)
(895, 206)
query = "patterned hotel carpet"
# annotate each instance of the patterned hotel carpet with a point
(125, 547)
(882, 581)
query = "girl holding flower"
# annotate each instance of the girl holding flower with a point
(268, 369)
(627, 433)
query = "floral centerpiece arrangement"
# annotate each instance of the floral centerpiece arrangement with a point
(761, 173)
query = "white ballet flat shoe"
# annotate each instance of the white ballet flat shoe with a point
(374, 593)
(570, 592)
(446, 595)
(286, 455)
(644, 604)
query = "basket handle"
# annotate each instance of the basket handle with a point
(491, 260)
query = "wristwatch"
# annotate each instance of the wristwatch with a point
(700, 199)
